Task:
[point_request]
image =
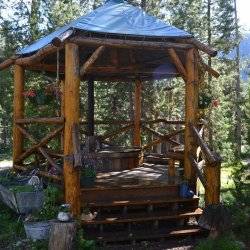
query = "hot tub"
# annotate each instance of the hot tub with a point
(120, 158)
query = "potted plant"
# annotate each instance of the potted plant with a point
(88, 176)
(38, 225)
(20, 193)
(204, 101)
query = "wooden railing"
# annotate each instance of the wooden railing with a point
(207, 169)
(127, 125)
(39, 147)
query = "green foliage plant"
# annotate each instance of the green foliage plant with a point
(225, 242)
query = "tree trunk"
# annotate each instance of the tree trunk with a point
(237, 87)
(62, 236)
(209, 39)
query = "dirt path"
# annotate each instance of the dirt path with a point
(5, 164)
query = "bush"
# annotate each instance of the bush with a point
(221, 243)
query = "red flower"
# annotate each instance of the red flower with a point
(215, 103)
(29, 93)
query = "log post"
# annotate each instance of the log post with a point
(212, 189)
(191, 110)
(62, 110)
(171, 170)
(91, 108)
(137, 113)
(18, 112)
(72, 114)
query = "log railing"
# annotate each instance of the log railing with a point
(208, 169)
(39, 147)
(127, 125)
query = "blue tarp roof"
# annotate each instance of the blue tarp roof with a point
(114, 17)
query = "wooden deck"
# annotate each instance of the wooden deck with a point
(146, 175)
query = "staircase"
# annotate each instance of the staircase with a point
(127, 215)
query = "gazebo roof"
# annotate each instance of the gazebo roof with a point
(117, 42)
(115, 17)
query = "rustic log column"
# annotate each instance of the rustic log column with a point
(191, 110)
(62, 110)
(72, 113)
(212, 189)
(18, 112)
(137, 113)
(91, 108)
(171, 171)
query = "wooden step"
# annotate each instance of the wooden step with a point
(152, 201)
(146, 192)
(139, 235)
(142, 217)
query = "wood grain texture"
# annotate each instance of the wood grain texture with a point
(137, 113)
(191, 110)
(18, 111)
(212, 190)
(62, 236)
(71, 112)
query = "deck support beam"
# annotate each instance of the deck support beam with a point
(72, 114)
(137, 113)
(191, 110)
(18, 111)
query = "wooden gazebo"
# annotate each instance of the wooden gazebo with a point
(91, 51)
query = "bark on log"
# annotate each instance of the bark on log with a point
(44, 120)
(72, 114)
(39, 172)
(57, 41)
(91, 108)
(211, 157)
(91, 60)
(76, 146)
(137, 113)
(62, 236)
(127, 44)
(44, 141)
(195, 165)
(171, 171)
(42, 150)
(38, 56)
(18, 111)
(191, 112)
(177, 62)
(201, 46)
(173, 142)
(164, 138)
(117, 132)
(212, 177)
(8, 62)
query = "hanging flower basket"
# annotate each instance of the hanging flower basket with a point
(204, 101)
(43, 97)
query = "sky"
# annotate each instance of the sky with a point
(244, 14)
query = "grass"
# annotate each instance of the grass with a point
(11, 229)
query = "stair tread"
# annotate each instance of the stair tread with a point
(141, 202)
(147, 234)
(137, 217)
(125, 187)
